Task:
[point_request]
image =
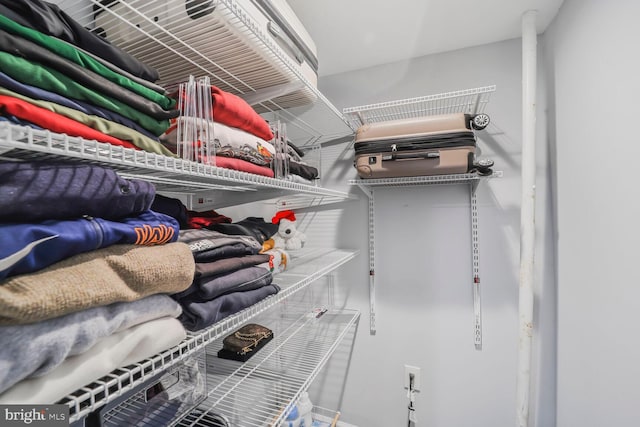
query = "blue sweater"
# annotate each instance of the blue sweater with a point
(28, 247)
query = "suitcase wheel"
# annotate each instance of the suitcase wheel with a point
(483, 167)
(480, 121)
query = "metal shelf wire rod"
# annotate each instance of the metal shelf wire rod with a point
(26, 143)
(121, 381)
(259, 391)
(470, 101)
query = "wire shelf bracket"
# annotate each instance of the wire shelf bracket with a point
(367, 186)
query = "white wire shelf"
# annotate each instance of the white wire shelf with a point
(469, 101)
(169, 174)
(169, 37)
(259, 392)
(307, 266)
(463, 178)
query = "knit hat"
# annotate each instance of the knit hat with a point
(288, 214)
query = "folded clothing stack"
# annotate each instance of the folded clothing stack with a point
(59, 76)
(242, 139)
(231, 275)
(80, 294)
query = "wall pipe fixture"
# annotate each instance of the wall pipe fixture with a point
(527, 216)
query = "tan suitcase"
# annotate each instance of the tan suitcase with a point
(430, 145)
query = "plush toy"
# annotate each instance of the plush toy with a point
(288, 236)
(278, 259)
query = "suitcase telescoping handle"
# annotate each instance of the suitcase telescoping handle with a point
(409, 156)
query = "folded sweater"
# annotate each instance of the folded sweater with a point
(114, 274)
(37, 191)
(198, 315)
(120, 349)
(244, 279)
(38, 348)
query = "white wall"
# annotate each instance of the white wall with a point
(593, 46)
(423, 262)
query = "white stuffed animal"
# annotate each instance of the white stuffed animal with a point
(288, 236)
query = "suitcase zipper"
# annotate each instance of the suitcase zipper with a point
(460, 139)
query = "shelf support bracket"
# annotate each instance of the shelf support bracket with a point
(475, 260)
(372, 278)
(473, 180)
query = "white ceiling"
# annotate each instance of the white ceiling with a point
(354, 34)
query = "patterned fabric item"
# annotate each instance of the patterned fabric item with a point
(29, 247)
(278, 260)
(228, 141)
(246, 154)
(202, 240)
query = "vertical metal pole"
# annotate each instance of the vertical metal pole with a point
(372, 258)
(372, 282)
(475, 258)
(331, 290)
(527, 216)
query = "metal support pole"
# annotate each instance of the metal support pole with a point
(475, 259)
(527, 215)
(372, 282)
